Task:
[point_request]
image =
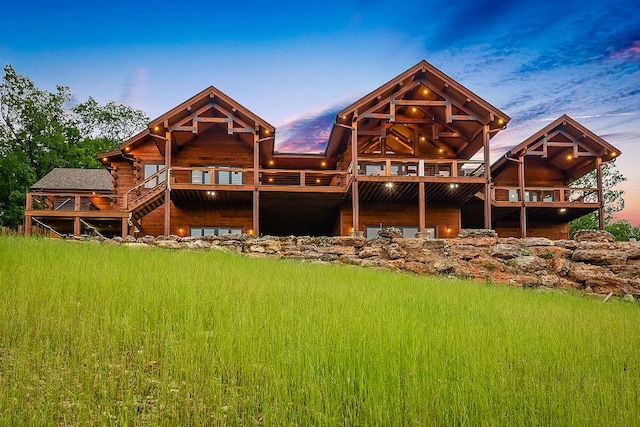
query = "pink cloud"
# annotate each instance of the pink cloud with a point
(631, 53)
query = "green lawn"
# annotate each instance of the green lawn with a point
(92, 334)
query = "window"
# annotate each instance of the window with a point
(374, 169)
(228, 177)
(149, 170)
(200, 176)
(407, 231)
(514, 196)
(213, 231)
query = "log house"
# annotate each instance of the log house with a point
(413, 154)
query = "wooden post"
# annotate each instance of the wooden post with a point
(355, 203)
(125, 227)
(167, 191)
(600, 201)
(27, 218)
(487, 175)
(77, 226)
(256, 183)
(422, 216)
(523, 208)
(27, 225)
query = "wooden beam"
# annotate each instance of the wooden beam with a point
(381, 116)
(487, 175)
(523, 208)
(125, 227)
(422, 217)
(167, 191)
(355, 207)
(256, 183)
(600, 201)
(77, 226)
(421, 103)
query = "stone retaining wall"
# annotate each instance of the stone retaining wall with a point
(592, 262)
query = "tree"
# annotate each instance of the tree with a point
(612, 199)
(40, 131)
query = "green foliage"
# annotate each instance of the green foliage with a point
(38, 132)
(623, 230)
(613, 199)
(126, 336)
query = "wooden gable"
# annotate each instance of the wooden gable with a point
(209, 109)
(420, 111)
(564, 145)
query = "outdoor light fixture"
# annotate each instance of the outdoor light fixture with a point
(563, 210)
(389, 184)
(127, 148)
(266, 131)
(414, 109)
(569, 157)
(271, 162)
(317, 180)
(344, 117)
(323, 164)
(270, 179)
(157, 128)
(425, 91)
(104, 159)
(500, 121)
(422, 138)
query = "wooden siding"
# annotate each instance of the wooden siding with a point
(445, 219)
(183, 218)
(214, 148)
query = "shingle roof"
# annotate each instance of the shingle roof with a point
(74, 179)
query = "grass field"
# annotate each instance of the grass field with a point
(99, 335)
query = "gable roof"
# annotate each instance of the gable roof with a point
(457, 112)
(567, 144)
(75, 179)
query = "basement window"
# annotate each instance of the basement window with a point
(213, 231)
(407, 231)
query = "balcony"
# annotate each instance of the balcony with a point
(434, 169)
(68, 204)
(545, 196)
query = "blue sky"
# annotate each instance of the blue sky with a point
(533, 60)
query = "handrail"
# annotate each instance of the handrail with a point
(125, 196)
(561, 194)
(68, 197)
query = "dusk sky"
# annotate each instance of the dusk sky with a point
(533, 60)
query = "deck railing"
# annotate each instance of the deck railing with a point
(303, 178)
(72, 202)
(444, 168)
(546, 195)
(138, 193)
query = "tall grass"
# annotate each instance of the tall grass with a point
(99, 335)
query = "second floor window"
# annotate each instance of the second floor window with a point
(222, 177)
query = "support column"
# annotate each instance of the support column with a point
(355, 202)
(487, 176)
(422, 216)
(600, 201)
(125, 227)
(77, 226)
(256, 183)
(167, 191)
(27, 225)
(27, 218)
(355, 205)
(523, 207)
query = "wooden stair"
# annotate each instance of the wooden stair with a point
(147, 202)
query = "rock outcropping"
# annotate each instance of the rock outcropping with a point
(592, 262)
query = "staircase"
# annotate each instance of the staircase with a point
(146, 202)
